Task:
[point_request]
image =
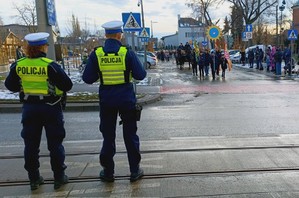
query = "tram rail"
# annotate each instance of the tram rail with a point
(81, 179)
(168, 150)
(160, 175)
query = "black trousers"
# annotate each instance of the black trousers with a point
(35, 117)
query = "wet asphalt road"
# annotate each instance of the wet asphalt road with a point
(246, 103)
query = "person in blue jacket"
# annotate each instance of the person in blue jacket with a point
(41, 84)
(115, 66)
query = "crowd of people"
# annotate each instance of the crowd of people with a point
(200, 60)
(203, 61)
(273, 57)
(206, 61)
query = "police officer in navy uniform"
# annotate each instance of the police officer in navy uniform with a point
(115, 66)
(41, 84)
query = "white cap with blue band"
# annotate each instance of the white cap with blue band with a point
(36, 39)
(113, 27)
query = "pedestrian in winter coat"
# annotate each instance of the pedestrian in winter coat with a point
(223, 64)
(207, 62)
(261, 58)
(272, 59)
(217, 61)
(257, 57)
(194, 62)
(287, 60)
(213, 62)
(250, 58)
(278, 59)
(268, 56)
(200, 61)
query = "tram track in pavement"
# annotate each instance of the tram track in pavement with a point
(169, 175)
(291, 146)
(163, 175)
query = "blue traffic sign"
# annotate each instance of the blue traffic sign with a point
(292, 35)
(204, 43)
(144, 39)
(51, 12)
(248, 27)
(132, 21)
(145, 33)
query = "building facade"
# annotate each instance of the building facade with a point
(189, 30)
(170, 41)
(296, 15)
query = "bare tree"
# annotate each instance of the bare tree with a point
(226, 26)
(27, 14)
(201, 9)
(73, 28)
(253, 9)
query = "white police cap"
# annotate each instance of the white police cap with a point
(35, 39)
(113, 27)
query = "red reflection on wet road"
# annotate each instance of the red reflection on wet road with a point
(225, 88)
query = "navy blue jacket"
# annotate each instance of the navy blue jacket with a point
(56, 74)
(114, 94)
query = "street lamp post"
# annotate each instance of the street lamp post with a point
(281, 8)
(140, 3)
(152, 30)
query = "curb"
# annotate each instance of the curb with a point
(269, 74)
(79, 106)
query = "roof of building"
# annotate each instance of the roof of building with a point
(5, 35)
(187, 22)
(164, 37)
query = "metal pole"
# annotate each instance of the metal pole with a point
(152, 31)
(277, 24)
(281, 29)
(43, 26)
(292, 48)
(133, 41)
(143, 26)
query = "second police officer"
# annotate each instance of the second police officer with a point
(41, 84)
(115, 66)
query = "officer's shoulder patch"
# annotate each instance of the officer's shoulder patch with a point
(125, 47)
(20, 59)
(47, 60)
(97, 47)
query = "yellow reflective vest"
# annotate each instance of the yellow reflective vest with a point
(112, 67)
(34, 77)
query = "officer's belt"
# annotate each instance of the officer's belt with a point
(51, 100)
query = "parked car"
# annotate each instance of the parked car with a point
(236, 58)
(232, 52)
(152, 54)
(151, 61)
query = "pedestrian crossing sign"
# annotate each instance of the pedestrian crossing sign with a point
(292, 34)
(144, 33)
(131, 21)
